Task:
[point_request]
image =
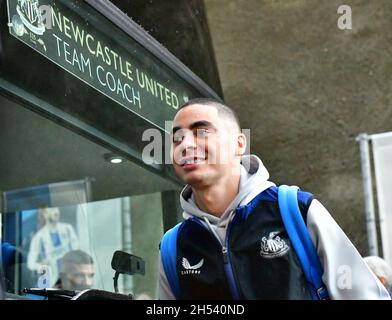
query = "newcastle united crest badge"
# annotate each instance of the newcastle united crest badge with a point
(273, 246)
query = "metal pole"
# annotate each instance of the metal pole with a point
(128, 283)
(363, 140)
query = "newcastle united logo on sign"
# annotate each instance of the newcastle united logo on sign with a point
(29, 13)
(28, 20)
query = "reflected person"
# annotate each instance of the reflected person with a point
(49, 244)
(77, 271)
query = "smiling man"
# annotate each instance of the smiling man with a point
(233, 243)
(207, 149)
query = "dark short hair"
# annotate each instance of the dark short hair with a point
(223, 109)
(76, 257)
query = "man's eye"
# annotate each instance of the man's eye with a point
(178, 138)
(202, 132)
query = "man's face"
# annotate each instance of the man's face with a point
(78, 277)
(52, 215)
(204, 145)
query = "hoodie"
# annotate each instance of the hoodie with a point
(346, 275)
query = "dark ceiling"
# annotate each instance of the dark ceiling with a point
(38, 151)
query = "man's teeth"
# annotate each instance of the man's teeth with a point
(192, 161)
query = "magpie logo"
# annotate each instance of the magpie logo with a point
(189, 269)
(30, 14)
(273, 246)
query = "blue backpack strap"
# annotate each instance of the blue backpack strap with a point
(169, 259)
(302, 243)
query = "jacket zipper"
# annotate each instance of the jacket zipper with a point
(226, 261)
(228, 267)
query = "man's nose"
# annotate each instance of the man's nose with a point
(188, 142)
(88, 280)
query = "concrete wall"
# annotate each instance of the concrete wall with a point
(180, 26)
(306, 89)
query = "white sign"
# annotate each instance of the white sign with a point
(382, 153)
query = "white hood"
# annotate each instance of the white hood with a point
(254, 179)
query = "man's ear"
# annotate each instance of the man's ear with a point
(241, 144)
(383, 280)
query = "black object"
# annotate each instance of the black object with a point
(126, 263)
(89, 294)
(51, 293)
(93, 294)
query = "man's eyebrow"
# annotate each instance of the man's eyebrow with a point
(202, 123)
(195, 125)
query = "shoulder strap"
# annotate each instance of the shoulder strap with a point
(169, 259)
(302, 243)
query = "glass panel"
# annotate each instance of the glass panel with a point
(61, 194)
